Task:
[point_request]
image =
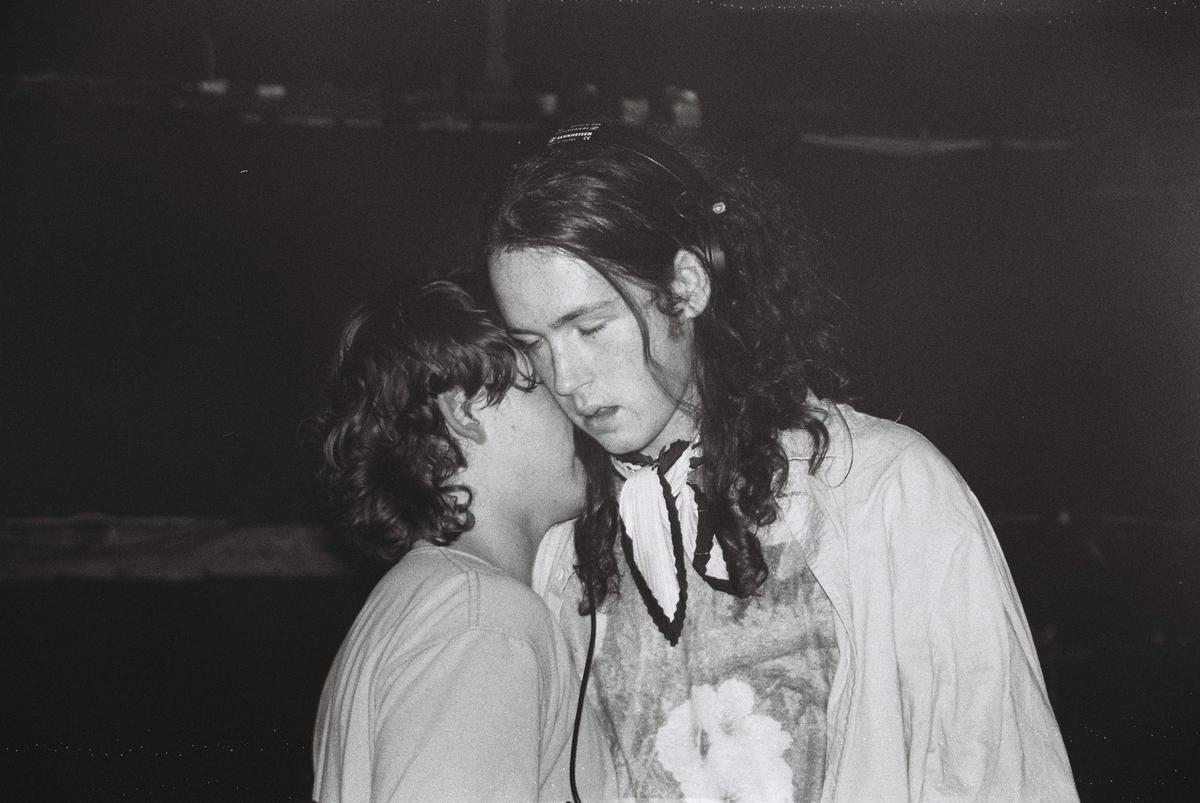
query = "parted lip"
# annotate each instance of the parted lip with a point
(598, 410)
(597, 414)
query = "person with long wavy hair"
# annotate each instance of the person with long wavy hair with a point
(791, 600)
(443, 455)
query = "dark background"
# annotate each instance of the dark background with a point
(173, 277)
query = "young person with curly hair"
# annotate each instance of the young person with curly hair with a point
(442, 452)
(794, 600)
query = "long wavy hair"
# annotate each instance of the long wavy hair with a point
(386, 453)
(764, 347)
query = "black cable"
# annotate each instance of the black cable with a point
(587, 669)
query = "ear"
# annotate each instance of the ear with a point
(460, 414)
(691, 284)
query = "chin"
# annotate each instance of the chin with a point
(617, 444)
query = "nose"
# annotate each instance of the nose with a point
(571, 370)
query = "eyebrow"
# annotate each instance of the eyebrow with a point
(573, 315)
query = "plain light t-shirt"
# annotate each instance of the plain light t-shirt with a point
(454, 683)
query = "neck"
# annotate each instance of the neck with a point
(665, 457)
(505, 540)
(683, 425)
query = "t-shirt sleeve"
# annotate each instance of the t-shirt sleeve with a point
(462, 721)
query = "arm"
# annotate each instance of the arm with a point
(461, 721)
(976, 714)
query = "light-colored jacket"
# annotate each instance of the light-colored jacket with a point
(938, 694)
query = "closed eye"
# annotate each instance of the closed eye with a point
(527, 345)
(528, 382)
(527, 375)
(588, 331)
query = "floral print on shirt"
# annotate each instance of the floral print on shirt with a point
(717, 748)
(736, 710)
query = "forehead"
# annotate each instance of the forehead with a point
(543, 286)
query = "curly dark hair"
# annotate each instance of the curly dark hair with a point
(386, 453)
(765, 346)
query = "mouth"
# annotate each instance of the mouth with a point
(598, 417)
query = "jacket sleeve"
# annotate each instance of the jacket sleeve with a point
(977, 720)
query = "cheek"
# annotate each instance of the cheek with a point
(557, 452)
(552, 423)
(622, 354)
(672, 351)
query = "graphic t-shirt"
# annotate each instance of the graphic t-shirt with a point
(736, 710)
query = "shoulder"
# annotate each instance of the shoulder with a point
(490, 603)
(865, 450)
(510, 623)
(886, 490)
(511, 607)
(435, 593)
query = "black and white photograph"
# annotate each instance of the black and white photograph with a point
(600, 400)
